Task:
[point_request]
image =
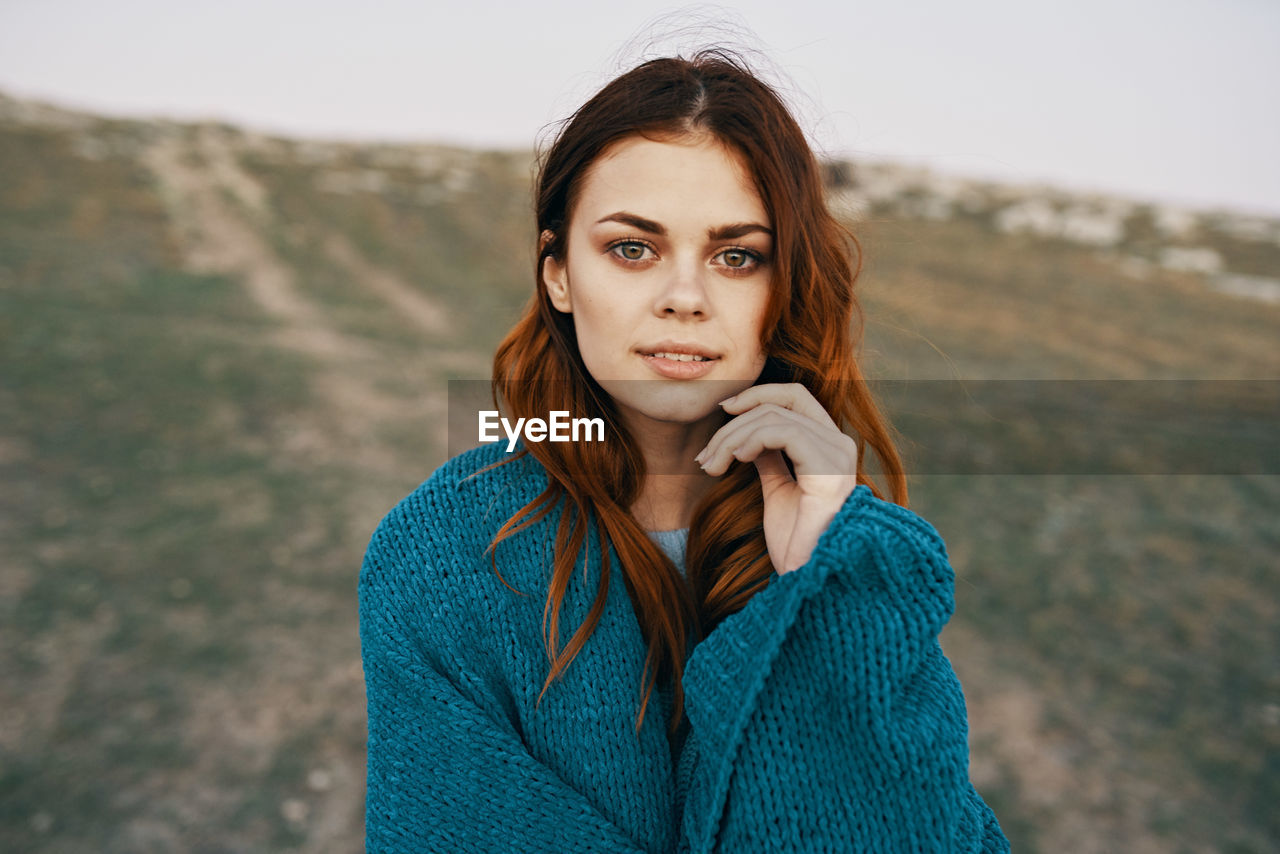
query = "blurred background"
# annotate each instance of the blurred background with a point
(245, 246)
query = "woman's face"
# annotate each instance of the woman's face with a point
(669, 255)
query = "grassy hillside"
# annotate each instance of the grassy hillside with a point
(224, 356)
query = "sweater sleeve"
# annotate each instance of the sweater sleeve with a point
(824, 715)
(447, 769)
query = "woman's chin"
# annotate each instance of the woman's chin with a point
(678, 404)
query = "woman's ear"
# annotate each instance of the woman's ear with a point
(556, 276)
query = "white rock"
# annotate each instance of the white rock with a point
(1030, 215)
(1196, 259)
(295, 810)
(1174, 223)
(1254, 287)
(1085, 224)
(320, 780)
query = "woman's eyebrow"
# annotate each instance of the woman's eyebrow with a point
(724, 232)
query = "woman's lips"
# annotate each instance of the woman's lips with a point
(672, 369)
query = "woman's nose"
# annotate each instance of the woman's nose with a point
(684, 293)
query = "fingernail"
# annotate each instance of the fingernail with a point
(728, 400)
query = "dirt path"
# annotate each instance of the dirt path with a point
(225, 237)
(410, 304)
(222, 214)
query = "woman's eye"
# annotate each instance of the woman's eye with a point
(741, 259)
(630, 250)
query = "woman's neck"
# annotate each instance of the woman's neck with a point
(675, 484)
(667, 501)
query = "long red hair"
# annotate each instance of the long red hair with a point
(813, 328)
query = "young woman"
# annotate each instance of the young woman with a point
(755, 662)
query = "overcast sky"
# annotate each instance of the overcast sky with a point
(1161, 99)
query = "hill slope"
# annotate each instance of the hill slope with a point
(225, 355)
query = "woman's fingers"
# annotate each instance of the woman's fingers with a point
(813, 448)
(785, 430)
(793, 396)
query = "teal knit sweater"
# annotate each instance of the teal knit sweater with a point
(823, 716)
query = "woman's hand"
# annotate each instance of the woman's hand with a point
(778, 417)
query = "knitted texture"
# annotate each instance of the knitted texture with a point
(823, 716)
